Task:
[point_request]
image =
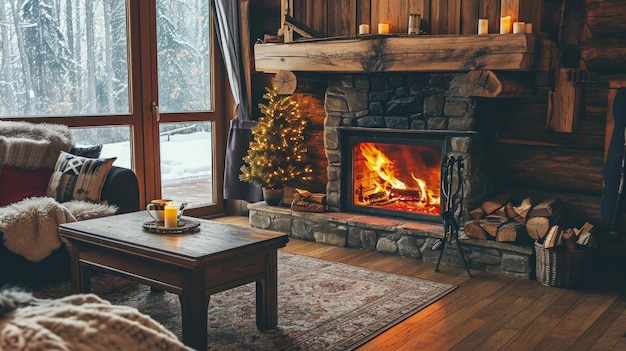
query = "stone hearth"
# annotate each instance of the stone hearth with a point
(406, 238)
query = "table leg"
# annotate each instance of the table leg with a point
(81, 277)
(267, 295)
(194, 304)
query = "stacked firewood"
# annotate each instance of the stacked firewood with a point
(502, 220)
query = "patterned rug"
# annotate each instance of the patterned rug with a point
(322, 305)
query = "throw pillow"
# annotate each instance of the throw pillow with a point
(87, 151)
(78, 178)
(17, 183)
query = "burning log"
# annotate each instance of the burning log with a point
(375, 197)
(406, 195)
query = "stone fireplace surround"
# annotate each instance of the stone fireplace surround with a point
(412, 101)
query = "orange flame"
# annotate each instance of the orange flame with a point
(377, 161)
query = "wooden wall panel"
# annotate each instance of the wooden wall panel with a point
(490, 9)
(341, 18)
(469, 16)
(606, 18)
(364, 12)
(314, 19)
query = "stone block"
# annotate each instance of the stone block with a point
(437, 123)
(407, 247)
(336, 104)
(397, 122)
(331, 235)
(301, 229)
(331, 139)
(260, 220)
(455, 109)
(433, 106)
(386, 246)
(516, 264)
(369, 239)
(464, 124)
(281, 224)
(356, 100)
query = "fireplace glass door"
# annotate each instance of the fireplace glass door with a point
(394, 175)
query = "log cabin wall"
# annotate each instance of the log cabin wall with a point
(529, 159)
(342, 18)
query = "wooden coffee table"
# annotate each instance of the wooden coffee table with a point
(193, 265)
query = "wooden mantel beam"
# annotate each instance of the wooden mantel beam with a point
(381, 53)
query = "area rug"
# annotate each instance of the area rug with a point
(323, 305)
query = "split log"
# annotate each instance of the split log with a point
(477, 213)
(524, 207)
(492, 205)
(511, 232)
(552, 237)
(548, 208)
(473, 229)
(500, 84)
(492, 224)
(538, 227)
(569, 238)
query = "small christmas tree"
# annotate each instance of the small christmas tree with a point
(277, 154)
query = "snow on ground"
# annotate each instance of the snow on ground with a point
(183, 156)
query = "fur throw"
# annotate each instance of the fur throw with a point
(30, 145)
(30, 226)
(83, 322)
(82, 210)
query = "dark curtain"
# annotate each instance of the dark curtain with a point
(227, 27)
(612, 197)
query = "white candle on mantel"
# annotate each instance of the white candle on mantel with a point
(483, 26)
(383, 28)
(505, 25)
(519, 27)
(528, 28)
(364, 29)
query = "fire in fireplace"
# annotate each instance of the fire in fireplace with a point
(392, 173)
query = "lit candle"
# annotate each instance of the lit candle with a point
(364, 29)
(383, 28)
(528, 28)
(483, 26)
(505, 25)
(170, 216)
(519, 27)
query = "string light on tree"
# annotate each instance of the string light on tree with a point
(277, 154)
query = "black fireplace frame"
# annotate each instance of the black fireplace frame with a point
(349, 135)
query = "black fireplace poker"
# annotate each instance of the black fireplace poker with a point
(451, 210)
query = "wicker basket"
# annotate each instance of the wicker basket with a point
(559, 268)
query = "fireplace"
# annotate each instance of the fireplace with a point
(392, 173)
(423, 114)
(417, 113)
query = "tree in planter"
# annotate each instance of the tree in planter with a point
(277, 154)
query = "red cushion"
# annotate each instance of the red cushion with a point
(17, 184)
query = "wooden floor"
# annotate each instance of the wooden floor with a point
(492, 311)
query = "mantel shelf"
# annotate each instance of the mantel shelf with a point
(416, 53)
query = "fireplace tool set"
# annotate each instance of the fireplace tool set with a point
(452, 196)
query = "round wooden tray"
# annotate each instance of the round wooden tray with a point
(184, 226)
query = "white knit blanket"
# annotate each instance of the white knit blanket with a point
(83, 322)
(31, 227)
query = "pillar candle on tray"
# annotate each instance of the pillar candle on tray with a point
(505, 25)
(383, 28)
(364, 29)
(170, 216)
(483, 26)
